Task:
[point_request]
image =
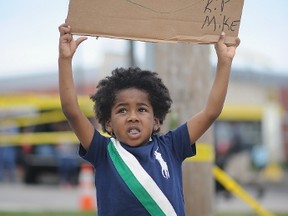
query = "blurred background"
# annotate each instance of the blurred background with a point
(37, 148)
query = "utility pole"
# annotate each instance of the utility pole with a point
(185, 69)
(131, 54)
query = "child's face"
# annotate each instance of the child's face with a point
(132, 117)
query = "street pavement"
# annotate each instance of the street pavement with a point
(274, 199)
(21, 197)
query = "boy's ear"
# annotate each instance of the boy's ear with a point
(156, 125)
(108, 127)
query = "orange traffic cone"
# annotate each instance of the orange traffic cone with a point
(87, 189)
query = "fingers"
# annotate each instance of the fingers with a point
(237, 42)
(222, 37)
(226, 51)
(64, 29)
(221, 42)
(80, 40)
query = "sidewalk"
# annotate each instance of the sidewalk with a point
(275, 199)
(21, 197)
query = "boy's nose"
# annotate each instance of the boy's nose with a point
(133, 116)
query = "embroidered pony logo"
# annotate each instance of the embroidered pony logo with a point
(163, 164)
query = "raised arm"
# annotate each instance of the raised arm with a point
(78, 121)
(199, 123)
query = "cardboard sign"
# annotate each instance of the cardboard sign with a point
(197, 21)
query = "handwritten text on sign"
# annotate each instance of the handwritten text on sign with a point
(214, 8)
(199, 21)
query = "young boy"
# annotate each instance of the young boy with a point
(138, 171)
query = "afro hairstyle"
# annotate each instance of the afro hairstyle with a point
(121, 79)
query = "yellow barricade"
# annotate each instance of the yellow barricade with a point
(204, 153)
(38, 138)
(238, 191)
(41, 102)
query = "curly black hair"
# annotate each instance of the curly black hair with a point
(120, 79)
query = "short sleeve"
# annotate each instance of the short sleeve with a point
(97, 150)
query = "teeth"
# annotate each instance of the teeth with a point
(133, 131)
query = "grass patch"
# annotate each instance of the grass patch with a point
(246, 214)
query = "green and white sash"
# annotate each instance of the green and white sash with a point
(139, 181)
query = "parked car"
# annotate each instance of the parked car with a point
(51, 163)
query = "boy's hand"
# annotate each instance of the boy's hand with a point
(67, 45)
(225, 52)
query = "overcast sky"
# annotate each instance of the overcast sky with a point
(29, 37)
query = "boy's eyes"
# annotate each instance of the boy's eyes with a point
(124, 110)
(142, 109)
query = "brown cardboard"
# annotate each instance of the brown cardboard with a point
(197, 21)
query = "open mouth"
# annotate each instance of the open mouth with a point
(134, 131)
